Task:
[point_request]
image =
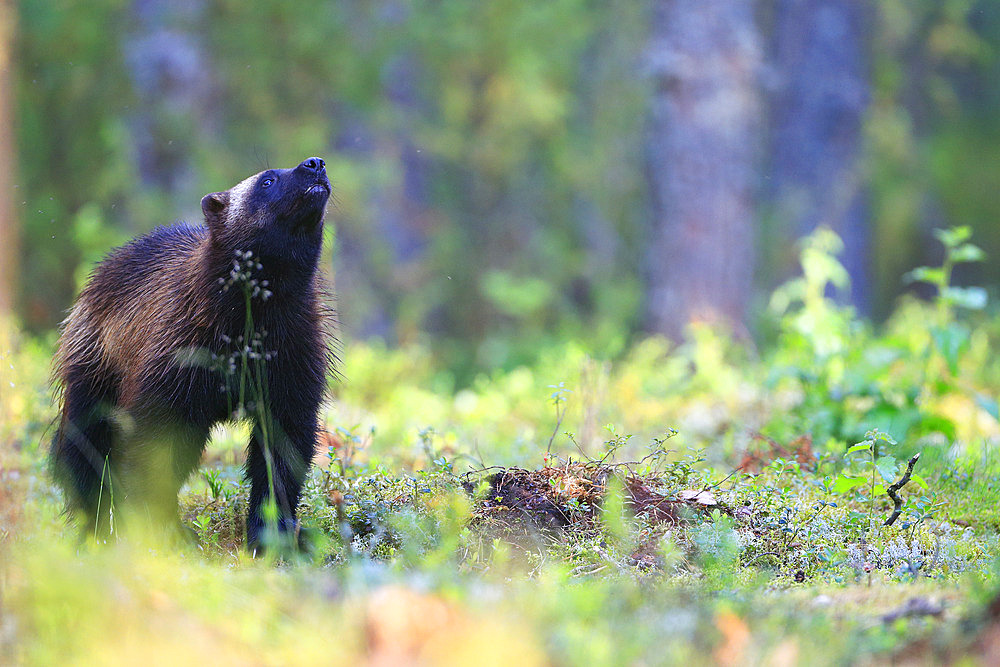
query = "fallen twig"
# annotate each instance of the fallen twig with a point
(559, 419)
(587, 569)
(756, 558)
(720, 482)
(914, 607)
(891, 491)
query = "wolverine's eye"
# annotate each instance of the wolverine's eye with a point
(267, 182)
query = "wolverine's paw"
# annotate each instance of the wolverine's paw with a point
(285, 539)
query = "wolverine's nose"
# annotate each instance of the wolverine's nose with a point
(314, 164)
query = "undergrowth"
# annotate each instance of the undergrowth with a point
(709, 503)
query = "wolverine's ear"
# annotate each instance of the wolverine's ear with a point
(213, 205)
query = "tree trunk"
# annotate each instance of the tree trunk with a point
(172, 79)
(9, 231)
(400, 206)
(817, 111)
(704, 59)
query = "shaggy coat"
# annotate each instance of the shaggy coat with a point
(189, 326)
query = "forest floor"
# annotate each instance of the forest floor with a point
(708, 503)
(724, 547)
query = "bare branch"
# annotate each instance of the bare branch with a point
(891, 491)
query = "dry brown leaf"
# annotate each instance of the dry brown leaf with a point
(700, 497)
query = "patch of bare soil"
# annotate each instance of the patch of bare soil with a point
(571, 495)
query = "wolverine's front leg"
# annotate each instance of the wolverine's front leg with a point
(277, 464)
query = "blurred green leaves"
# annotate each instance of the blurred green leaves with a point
(521, 298)
(487, 158)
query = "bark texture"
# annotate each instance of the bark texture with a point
(704, 58)
(818, 104)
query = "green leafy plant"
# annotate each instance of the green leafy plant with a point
(880, 470)
(809, 316)
(218, 487)
(951, 337)
(957, 250)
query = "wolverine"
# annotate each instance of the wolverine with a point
(189, 326)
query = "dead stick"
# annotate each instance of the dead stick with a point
(891, 491)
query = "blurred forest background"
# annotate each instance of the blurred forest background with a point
(509, 174)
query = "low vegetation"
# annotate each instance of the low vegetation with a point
(827, 498)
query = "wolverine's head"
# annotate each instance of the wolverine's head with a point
(276, 202)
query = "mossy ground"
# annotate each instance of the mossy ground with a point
(710, 503)
(582, 551)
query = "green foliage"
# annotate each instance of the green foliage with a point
(487, 159)
(931, 132)
(499, 128)
(950, 337)
(809, 317)
(849, 380)
(956, 251)
(718, 547)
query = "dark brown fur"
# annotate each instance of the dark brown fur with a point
(151, 357)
